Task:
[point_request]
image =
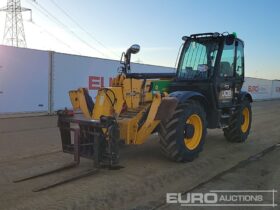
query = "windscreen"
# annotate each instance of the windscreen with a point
(198, 59)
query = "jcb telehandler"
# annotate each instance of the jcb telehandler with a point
(205, 92)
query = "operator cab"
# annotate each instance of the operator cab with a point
(202, 54)
(213, 65)
(212, 58)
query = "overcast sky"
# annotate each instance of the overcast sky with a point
(105, 28)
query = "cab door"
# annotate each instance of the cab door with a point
(225, 80)
(239, 66)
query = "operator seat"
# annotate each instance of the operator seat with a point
(225, 69)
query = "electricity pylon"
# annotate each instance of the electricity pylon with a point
(14, 30)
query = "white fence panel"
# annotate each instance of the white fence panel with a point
(276, 89)
(23, 80)
(259, 88)
(26, 85)
(71, 72)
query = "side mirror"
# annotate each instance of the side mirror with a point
(133, 49)
(230, 39)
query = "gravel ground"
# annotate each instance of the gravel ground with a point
(32, 144)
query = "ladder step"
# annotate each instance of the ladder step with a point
(225, 116)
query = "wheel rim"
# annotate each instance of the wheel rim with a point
(246, 120)
(192, 142)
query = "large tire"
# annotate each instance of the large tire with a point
(240, 123)
(183, 136)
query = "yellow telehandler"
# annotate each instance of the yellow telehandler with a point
(205, 92)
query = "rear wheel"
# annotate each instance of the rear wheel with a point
(183, 136)
(240, 123)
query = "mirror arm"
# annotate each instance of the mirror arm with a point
(128, 62)
(127, 56)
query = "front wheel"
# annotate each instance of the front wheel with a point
(183, 136)
(240, 123)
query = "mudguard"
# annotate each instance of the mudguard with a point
(184, 96)
(166, 108)
(245, 94)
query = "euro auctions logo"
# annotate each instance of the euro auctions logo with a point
(192, 198)
(224, 198)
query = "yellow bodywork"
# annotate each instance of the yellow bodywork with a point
(78, 101)
(127, 100)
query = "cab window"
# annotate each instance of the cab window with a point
(198, 60)
(227, 61)
(239, 61)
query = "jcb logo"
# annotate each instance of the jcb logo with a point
(226, 94)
